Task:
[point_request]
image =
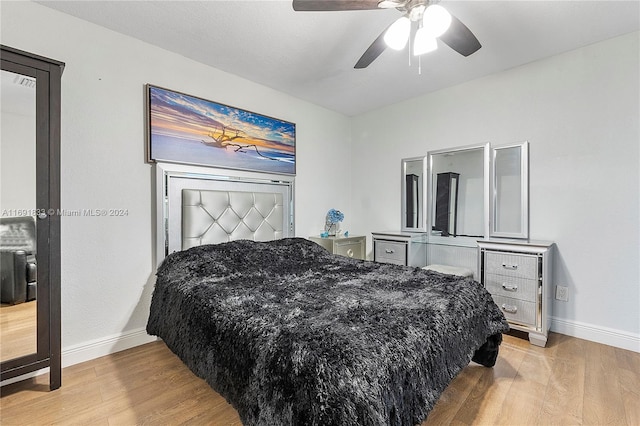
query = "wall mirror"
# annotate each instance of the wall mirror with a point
(510, 195)
(414, 200)
(458, 196)
(29, 223)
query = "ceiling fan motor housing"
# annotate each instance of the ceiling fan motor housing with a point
(457, 36)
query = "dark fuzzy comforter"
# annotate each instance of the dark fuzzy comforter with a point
(292, 335)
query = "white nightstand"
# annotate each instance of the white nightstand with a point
(352, 246)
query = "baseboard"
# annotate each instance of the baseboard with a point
(604, 335)
(108, 345)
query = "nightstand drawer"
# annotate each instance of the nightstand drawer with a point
(352, 246)
(354, 249)
(390, 252)
(516, 310)
(511, 265)
(516, 288)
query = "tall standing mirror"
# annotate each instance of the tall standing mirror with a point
(18, 308)
(29, 219)
(414, 200)
(459, 194)
(510, 197)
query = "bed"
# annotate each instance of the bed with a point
(290, 334)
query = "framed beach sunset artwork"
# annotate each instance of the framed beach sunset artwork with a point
(190, 130)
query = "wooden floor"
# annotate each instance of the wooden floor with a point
(18, 330)
(571, 382)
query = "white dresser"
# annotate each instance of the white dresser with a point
(355, 247)
(518, 276)
(400, 248)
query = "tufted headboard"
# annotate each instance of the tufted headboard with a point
(212, 217)
(201, 205)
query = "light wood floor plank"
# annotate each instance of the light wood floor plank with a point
(486, 400)
(18, 325)
(563, 404)
(570, 382)
(527, 391)
(452, 400)
(602, 393)
(629, 379)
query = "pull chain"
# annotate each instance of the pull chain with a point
(410, 45)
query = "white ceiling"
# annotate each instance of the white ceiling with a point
(310, 55)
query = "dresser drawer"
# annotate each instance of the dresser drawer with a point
(354, 249)
(511, 265)
(390, 252)
(516, 310)
(516, 288)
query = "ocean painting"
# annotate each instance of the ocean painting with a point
(190, 130)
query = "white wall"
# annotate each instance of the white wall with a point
(107, 263)
(580, 113)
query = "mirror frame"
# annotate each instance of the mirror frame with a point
(524, 192)
(422, 221)
(459, 240)
(48, 75)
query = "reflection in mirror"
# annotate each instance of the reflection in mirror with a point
(511, 191)
(446, 216)
(459, 171)
(17, 224)
(413, 194)
(508, 190)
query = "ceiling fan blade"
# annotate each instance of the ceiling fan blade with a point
(460, 38)
(375, 50)
(332, 5)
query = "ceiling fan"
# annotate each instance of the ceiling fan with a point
(432, 21)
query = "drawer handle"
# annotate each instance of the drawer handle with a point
(509, 287)
(514, 266)
(389, 251)
(350, 253)
(509, 308)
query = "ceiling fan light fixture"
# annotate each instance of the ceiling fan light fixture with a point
(397, 35)
(424, 42)
(436, 20)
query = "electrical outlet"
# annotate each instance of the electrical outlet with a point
(562, 293)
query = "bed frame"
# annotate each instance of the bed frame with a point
(202, 205)
(279, 353)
